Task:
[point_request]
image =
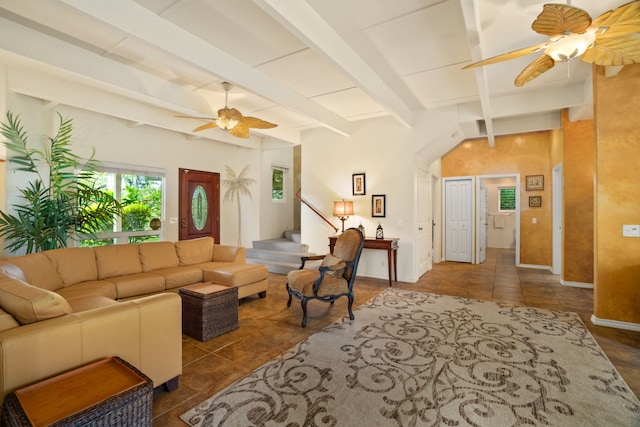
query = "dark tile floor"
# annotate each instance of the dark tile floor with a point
(267, 327)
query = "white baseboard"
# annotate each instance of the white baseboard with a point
(618, 324)
(576, 284)
(539, 267)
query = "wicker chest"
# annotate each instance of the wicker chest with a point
(208, 310)
(109, 392)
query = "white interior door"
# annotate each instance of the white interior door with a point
(459, 220)
(424, 222)
(558, 196)
(483, 224)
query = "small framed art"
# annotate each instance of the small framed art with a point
(535, 182)
(378, 205)
(535, 201)
(358, 184)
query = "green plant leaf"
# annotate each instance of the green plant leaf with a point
(68, 204)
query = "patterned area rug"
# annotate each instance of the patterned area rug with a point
(417, 359)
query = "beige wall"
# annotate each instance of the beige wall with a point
(578, 175)
(617, 261)
(526, 154)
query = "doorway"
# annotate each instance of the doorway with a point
(425, 221)
(199, 200)
(557, 216)
(458, 219)
(498, 225)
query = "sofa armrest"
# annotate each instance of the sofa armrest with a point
(146, 332)
(226, 253)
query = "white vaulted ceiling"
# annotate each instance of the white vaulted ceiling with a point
(298, 63)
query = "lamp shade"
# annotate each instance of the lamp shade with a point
(342, 208)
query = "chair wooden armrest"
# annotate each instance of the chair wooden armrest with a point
(304, 259)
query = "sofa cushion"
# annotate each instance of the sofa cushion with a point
(133, 285)
(90, 302)
(117, 260)
(29, 304)
(103, 288)
(174, 277)
(74, 265)
(195, 251)
(157, 255)
(7, 321)
(237, 274)
(37, 270)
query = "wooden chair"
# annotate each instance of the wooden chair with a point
(334, 277)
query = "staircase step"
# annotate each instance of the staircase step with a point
(280, 245)
(283, 256)
(293, 235)
(277, 267)
(279, 255)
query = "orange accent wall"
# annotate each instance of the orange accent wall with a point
(578, 209)
(526, 154)
(617, 258)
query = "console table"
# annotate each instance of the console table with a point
(390, 245)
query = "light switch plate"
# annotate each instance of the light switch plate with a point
(630, 230)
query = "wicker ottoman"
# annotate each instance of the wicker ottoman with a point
(109, 392)
(208, 310)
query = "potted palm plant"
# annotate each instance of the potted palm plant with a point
(63, 203)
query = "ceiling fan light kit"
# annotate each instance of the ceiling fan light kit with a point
(570, 47)
(231, 119)
(612, 39)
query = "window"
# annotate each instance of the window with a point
(506, 199)
(141, 194)
(277, 183)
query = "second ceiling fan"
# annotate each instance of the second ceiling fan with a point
(231, 119)
(612, 39)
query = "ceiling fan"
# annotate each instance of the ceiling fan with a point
(612, 39)
(232, 120)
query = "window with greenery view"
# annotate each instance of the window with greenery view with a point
(277, 184)
(140, 194)
(507, 199)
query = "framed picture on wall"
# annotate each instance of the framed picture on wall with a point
(378, 205)
(535, 201)
(358, 184)
(535, 182)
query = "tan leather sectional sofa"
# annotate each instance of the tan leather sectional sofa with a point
(64, 308)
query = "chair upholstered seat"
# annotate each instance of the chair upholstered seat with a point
(334, 277)
(302, 282)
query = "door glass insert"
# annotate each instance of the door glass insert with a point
(199, 208)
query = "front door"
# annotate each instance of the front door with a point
(199, 201)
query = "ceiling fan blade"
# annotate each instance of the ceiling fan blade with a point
(240, 130)
(533, 70)
(614, 23)
(556, 19)
(620, 50)
(204, 127)
(193, 117)
(252, 122)
(507, 56)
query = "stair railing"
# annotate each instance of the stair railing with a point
(314, 209)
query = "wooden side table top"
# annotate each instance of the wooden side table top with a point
(71, 392)
(205, 288)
